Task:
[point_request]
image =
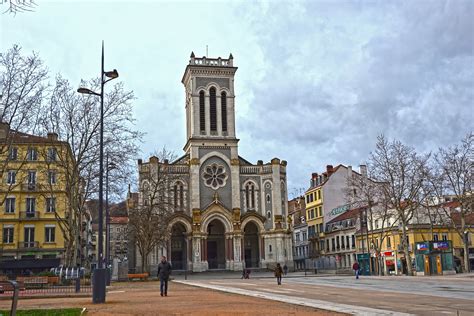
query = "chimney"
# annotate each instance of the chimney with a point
(349, 171)
(140, 161)
(363, 170)
(4, 129)
(329, 170)
(53, 136)
(314, 179)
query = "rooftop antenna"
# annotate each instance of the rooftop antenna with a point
(207, 52)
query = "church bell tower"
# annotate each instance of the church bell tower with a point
(210, 111)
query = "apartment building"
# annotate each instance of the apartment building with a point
(33, 200)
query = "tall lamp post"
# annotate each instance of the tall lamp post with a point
(99, 276)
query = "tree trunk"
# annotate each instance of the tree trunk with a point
(406, 250)
(465, 243)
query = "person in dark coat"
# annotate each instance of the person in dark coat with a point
(164, 271)
(356, 269)
(285, 269)
(278, 273)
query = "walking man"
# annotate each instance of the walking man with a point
(285, 269)
(356, 269)
(278, 273)
(164, 271)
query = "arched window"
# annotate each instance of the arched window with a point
(202, 112)
(224, 111)
(250, 196)
(181, 196)
(213, 110)
(178, 195)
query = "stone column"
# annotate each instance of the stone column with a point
(238, 265)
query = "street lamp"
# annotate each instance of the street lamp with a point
(99, 276)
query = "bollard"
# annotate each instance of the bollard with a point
(78, 285)
(14, 298)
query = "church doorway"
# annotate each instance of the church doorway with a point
(178, 246)
(216, 245)
(251, 246)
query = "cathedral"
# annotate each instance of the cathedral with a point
(229, 214)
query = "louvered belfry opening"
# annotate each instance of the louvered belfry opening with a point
(224, 111)
(202, 112)
(213, 109)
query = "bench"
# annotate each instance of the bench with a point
(33, 280)
(141, 276)
(6, 286)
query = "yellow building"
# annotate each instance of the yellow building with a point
(33, 200)
(315, 215)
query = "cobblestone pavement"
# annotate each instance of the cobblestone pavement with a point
(142, 298)
(366, 296)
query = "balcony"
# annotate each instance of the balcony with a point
(29, 215)
(28, 244)
(30, 187)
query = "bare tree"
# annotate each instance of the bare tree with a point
(403, 173)
(148, 221)
(366, 193)
(76, 120)
(17, 6)
(23, 86)
(453, 176)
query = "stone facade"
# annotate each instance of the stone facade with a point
(229, 213)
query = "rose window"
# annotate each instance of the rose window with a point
(214, 176)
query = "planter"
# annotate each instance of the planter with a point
(53, 280)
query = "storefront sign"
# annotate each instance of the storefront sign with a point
(339, 210)
(441, 245)
(422, 246)
(388, 253)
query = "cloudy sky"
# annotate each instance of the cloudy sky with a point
(317, 80)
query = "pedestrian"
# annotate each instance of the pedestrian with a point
(285, 269)
(356, 269)
(278, 273)
(164, 271)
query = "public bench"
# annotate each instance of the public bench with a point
(33, 280)
(6, 286)
(140, 276)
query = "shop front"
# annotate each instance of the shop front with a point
(434, 258)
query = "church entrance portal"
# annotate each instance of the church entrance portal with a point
(178, 246)
(251, 247)
(216, 245)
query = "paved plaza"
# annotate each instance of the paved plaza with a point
(227, 294)
(366, 296)
(143, 298)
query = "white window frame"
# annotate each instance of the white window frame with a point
(8, 241)
(11, 177)
(9, 205)
(47, 237)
